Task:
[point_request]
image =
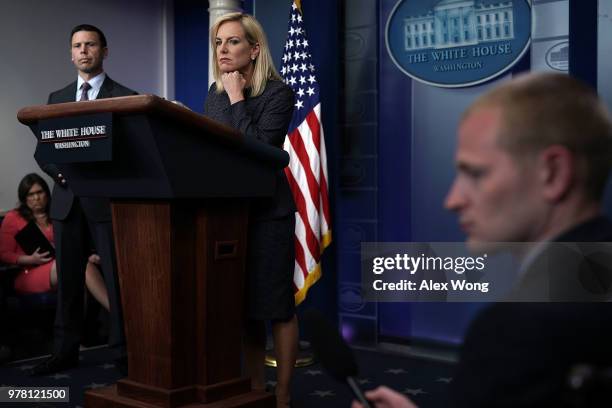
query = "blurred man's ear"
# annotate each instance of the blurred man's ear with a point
(557, 172)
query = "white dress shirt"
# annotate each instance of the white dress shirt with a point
(96, 84)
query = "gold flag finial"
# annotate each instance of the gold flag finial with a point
(298, 4)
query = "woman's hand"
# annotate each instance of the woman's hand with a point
(234, 83)
(94, 259)
(384, 397)
(37, 258)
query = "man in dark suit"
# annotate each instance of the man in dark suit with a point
(81, 223)
(533, 158)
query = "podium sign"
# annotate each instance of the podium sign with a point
(76, 139)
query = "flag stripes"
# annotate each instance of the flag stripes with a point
(307, 170)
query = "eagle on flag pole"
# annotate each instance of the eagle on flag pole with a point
(307, 170)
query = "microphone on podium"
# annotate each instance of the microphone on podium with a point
(334, 354)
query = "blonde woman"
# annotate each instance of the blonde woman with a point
(249, 95)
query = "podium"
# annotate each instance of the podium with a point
(179, 185)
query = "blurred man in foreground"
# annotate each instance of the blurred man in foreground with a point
(533, 157)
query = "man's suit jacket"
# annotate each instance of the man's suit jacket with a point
(520, 354)
(96, 209)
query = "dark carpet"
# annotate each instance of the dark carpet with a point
(424, 381)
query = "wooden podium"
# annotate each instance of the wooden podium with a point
(179, 184)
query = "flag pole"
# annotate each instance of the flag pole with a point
(307, 169)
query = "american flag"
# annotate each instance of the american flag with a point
(307, 170)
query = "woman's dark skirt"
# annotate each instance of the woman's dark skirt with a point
(270, 265)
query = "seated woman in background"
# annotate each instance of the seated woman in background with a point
(38, 273)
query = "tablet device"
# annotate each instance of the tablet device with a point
(31, 237)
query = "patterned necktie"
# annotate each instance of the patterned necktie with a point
(84, 88)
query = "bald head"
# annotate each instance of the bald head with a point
(533, 156)
(544, 109)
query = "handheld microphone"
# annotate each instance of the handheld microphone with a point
(333, 352)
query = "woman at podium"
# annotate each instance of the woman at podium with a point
(249, 95)
(21, 244)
